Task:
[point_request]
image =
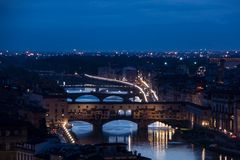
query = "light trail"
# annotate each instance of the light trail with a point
(154, 94)
(145, 83)
(152, 91)
(118, 81)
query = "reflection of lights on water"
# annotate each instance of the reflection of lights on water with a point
(159, 134)
(129, 143)
(121, 139)
(203, 154)
(120, 131)
(220, 157)
(192, 120)
(225, 158)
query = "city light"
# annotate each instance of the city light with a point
(148, 88)
(123, 82)
(67, 132)
(129, 80)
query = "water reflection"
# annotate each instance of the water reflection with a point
(158, 143)
(159, 137)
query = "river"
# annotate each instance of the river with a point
(158, 142)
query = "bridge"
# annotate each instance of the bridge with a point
(143, 114)
(101, 96)
(77, 81)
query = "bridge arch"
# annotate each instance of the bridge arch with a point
(119, 127)
(69, 100)
(81, 127)
(87, 98)
(159, 125)
(113, 99)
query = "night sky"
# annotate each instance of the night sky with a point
(108, 25)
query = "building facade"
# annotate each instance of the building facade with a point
(57, 109)
(225, 112)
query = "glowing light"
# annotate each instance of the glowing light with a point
(67, 132)
(145, 84)
(205, 123)
(114, 80)
(203, 154)
(129, 143)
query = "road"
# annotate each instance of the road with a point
(150, 93)
(141, 90)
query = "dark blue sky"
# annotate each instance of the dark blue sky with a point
(105, 25)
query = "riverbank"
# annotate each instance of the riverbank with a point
(212, 140)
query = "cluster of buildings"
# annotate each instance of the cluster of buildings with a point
(217, 108)
(22, 124)
(214, 87)
(209, 98)
(24, 130)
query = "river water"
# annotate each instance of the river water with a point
(158, 142)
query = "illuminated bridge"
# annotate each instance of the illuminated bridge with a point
(101, 97)
(97, 83)
(143, 114)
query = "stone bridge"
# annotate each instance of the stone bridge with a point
(101, 96)
(143, 114)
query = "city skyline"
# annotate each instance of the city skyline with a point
(119, 25)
